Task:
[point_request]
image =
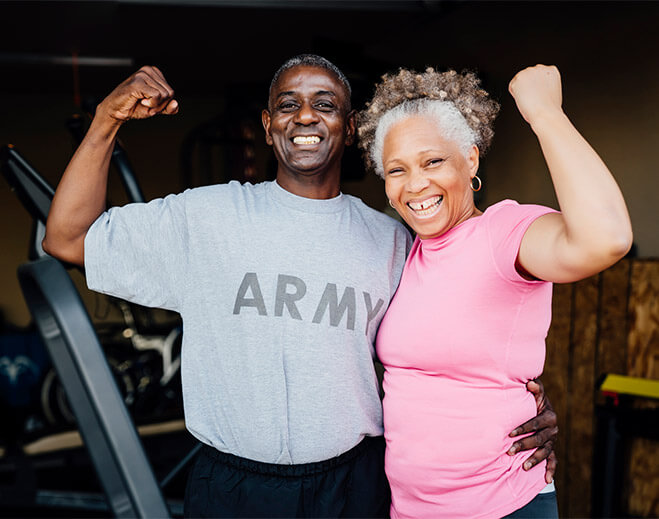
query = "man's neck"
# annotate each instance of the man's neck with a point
(316, 187)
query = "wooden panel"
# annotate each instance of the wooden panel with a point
(581, 396)
(613, 324)
(605, 324)
(643, 342)
(643, 361)
(556, 379)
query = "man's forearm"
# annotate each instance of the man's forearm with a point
(81, 194)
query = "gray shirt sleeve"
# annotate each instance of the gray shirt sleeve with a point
(139, 252)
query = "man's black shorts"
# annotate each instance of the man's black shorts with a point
(350, 485)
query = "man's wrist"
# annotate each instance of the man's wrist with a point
(103, 129)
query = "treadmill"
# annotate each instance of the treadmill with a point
(108, 432)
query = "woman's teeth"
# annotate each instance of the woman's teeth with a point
(426, 207)
(314, 139)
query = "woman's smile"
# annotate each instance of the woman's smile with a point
(427, 208)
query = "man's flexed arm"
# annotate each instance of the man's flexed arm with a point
(81, 193)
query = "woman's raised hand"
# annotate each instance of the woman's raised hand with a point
(537, 92)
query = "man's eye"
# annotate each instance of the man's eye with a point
(287, 106)
(325, 105)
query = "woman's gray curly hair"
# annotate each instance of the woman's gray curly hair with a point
(464, 111)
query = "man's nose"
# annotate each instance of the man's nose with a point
(306, 114)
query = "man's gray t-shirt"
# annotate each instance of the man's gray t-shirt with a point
(280, 296)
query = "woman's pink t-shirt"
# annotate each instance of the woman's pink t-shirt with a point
(462, 336)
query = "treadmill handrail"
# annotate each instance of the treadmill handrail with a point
(103, 420)
(30, 187)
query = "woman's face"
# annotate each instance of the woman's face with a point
(427, 178)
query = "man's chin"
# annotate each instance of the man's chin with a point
(308, 168)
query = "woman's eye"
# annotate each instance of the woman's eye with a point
(434, 162)
(394, 171)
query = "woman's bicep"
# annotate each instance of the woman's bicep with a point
(546, 252)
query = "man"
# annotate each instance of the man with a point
(281, 287)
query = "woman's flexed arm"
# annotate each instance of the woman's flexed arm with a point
(593, 230)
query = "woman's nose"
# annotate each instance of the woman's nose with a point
(417, 181)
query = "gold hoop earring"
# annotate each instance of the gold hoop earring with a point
(480, 184)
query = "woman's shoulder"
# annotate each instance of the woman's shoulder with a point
(512, 210)
(502, 205)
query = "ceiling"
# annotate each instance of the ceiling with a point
(226, 48)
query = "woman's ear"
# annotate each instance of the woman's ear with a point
(473, 160)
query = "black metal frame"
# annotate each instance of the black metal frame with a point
(67, 332)
(619, 420)
(103, 420)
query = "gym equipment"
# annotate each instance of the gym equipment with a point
(102, 418)
(619, 420)
(65, 327)
(148, 379)
(32, 190)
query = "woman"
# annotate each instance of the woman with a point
(466, 328)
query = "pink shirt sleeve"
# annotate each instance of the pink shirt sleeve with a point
(506, 225)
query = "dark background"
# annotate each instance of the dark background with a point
(60, 58)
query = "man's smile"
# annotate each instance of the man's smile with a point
(306, 140)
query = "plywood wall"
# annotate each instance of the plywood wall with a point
(608, 323)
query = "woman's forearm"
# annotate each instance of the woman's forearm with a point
(597, 222)
(593, 230)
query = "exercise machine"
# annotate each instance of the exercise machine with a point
(65, 327)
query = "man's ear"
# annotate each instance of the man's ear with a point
(265, 119)
(351, 127)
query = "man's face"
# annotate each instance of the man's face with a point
(307, 122)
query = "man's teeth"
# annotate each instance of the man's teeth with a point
(313, 139)
(426, 206)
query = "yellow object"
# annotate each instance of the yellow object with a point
(624, 385)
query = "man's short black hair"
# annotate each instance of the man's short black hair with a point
(312, 60)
